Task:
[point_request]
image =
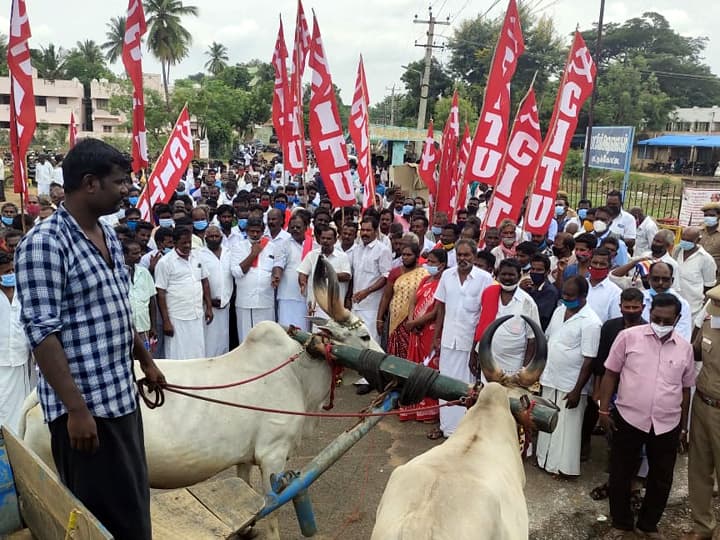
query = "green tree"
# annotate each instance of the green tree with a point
(218, 58)
(468, 113)
(115, 36)
(168, 40)
(3, 56)
(49, 62)
(440, 85)
(86, 62)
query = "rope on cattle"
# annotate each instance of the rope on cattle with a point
(418, 384)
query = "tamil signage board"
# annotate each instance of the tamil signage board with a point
(611, 148)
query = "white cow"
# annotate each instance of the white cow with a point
(188, 440)
(471, 486)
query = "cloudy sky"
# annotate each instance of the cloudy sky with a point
(382, 30)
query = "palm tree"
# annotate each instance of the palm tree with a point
(115, 36)
(168, 40)
(218, 54)
(49, 62)
(90, 52)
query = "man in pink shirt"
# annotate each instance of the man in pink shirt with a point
(652, 367)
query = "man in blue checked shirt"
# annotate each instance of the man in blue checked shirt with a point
(74, 292)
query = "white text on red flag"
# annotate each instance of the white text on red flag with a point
(279, 61)
(359, 129)
(449, 161)
(135, 27)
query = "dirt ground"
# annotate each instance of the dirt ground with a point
(346, 496)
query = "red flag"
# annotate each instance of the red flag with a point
(427, 169)
(575, 87)
(519, 164)
(22, 97)
(326, 132)
(359, 129)
(449, 160)
(307, 243)
(491, 134)
(135, 27)
(73, 129)
(294, 145)
(279, 61)
(457, 197)
(169, 167)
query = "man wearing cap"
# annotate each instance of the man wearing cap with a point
(703, 464)
(710, 239)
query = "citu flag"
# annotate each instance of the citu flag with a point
(449, 160)
(427, 169)
(279, 61)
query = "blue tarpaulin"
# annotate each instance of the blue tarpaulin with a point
(685, 141)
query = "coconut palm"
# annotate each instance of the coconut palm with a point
(218, 54)
(49, 62)
(115, 36)
(90, 52)
(168, 40)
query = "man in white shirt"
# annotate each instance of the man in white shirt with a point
(623, 223)
(275, 223)
(645, 231)
(252, 262)
(15, 365)
(183, 299)
(292, 305)
(633, 273)
(43, 175)
(603, 295)
(216, 259)
(573, 338)
(142, 292)
(419, 226)
(458, 295)
(660, 280)
(696, 270)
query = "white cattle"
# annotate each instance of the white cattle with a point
(471, 486)
(188, 440)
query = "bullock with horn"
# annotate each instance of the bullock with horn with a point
(477, 475)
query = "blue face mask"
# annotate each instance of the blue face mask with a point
(652, 292)
(200, 225)
(166, 222)
(571, 304)
(408, 208)
(8, 280)
(8, 221)
(437, 231)
(432, 270)
(582, 213)
(280, 206)
(686, 245)
(166, 250)
(133, 200)
(242, 223)
(132, 225)
(559, 210)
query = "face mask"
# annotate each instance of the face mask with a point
(598, 274)
(599, 226)
(652, 292)
(32, 209)
(133, 200)
(526, 267)
(508, 241)
(571, 304)
(449, 246)
(200, 225)
(632, 317)
(8, 280)
(408, 208)
(8, 221)
(212, 244)
(242, 223)
(582, 213)
(166, 222)
(280, 206)
(559, 210)
(166, 250)
(419, 207)
(710, 221)
(120, 214)
(686, 245)
(537, 278)
(265, 204)
(657, 251)
(542, 246)
(660, 330)
(582, 256)
(557, 251)
(437, 231)
(508, 288)
(587, 226)
(432, 270)
(614, 210)
(461, 224)
(132, 225)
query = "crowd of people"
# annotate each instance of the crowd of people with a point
(630, 315)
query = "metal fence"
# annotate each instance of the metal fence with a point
(659, 199)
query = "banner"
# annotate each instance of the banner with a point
(695, 195)
(449, 160)
(279, 62)
(294, 145)
(135, 27)
(576, 86)
(326, 132)
(169, 168)
(491, 134)
(427, 169)
(519, 165)
(22, 97)
(457, 199)
(359, 129)
(611, 148)
(72, 130)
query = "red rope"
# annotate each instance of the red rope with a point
(335, 371)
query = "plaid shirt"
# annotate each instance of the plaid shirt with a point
(66, 288)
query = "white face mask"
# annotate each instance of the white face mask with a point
(508, 288)
(660, 330)
(599, 226)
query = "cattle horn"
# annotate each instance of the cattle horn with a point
(530, 374)
(326, 288)
(487, 364)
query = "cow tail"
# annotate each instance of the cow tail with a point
(30, 402)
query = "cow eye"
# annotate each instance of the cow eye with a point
(365, 338)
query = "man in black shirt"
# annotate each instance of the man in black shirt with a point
(544, 293)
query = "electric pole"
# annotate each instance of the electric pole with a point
(429, 46)
(392, 103)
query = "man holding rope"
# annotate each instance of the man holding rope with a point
(74, 292)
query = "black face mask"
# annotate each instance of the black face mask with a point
(557, 251)
(657, 251)
(614, 210)
(212, 244)
(632, 318)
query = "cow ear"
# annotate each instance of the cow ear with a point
(318, 321)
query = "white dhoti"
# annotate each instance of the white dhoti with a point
(453, 363)
(14, 388)
(187, 341)
(369, 318)
(293, 312)
(217, 333)
(559, 451)
(249, 317)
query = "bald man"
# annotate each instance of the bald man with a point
(696, 270)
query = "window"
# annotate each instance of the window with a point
(107, 129)
(62, 100)
(41, 101)
(102, 104)
(5, 99)
(702, 126)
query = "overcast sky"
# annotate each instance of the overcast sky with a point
(382, 30)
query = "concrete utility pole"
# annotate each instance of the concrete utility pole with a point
(429, 46)
(392, 103)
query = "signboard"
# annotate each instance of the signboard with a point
(695, 195)
(611, 148)
(204, 148)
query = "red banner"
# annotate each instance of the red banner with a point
(449, 160)
(294, 145)
(279, 61)
(22, 97)
(427, 169)
(72, 131)
(135, 27)
(457, 198)
(359, 129)
(491, 134)
(326, 132)
(169, 167)
(575, 87)
(519, 165)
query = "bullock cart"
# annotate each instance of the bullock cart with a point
(31, 496)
